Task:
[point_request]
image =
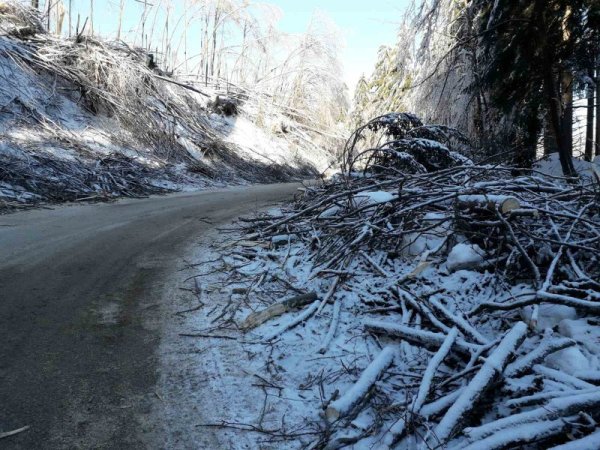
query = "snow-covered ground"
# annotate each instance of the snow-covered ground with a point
(239, 384)
(323, 375)
(77, 112)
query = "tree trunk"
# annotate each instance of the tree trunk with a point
(553, 104)
(48, 11)
(120, 24)
(35, 4)
(550, 145)
(214, 39)
(92, 18)
(589, 126)
(567, 111)
(60, 17)
(598, 112)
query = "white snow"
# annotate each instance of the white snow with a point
(464, 256)
(549, 315)
(550, 165)
(373, 198)
(570, 360)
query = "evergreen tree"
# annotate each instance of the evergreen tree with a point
(531, 49)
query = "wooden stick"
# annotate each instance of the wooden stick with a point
(13, 432)
(257, 318)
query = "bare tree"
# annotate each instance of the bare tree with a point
(120, 23)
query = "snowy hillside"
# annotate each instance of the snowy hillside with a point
(86, 119)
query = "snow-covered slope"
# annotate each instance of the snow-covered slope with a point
(82, 118)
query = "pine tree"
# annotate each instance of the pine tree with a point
(531, 49)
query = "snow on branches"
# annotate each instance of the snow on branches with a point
(452, 308)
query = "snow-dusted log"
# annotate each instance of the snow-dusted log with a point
(427, 339)
(542, 397)
(415, 406)
(562, 377)
(259, 317)
(554, 409)
(502, 203)
(359, 390)
(539, 297)
(525, 364)
(591, 441)
(559, 299)
(438, 406)
(519, 434)
(481, 382)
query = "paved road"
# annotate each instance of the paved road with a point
(80, 312)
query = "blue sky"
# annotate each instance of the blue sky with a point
(365, 25)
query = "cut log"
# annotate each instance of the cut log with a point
(257, 318)
(335, 318)
(542, 397)
(562, 377)
(502, 203)
(481, 382)
(345, 404)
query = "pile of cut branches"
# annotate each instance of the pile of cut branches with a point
(475, 294)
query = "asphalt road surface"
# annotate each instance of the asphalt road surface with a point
(81, 295)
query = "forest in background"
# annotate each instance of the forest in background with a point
(519, 78)
(234, 44)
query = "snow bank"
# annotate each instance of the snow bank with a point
(464, 256)
(550, 165)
